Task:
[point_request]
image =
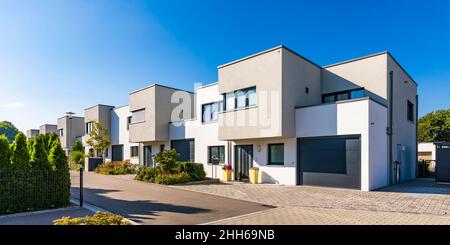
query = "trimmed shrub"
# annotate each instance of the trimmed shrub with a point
(20, 158)
(5, 153)
(194, 170)
(99, 218)
(147, 174)
(38, 154)
(27, 188)
(167, 160)
(172, 179)
(115, 168)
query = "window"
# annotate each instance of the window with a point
(162, 147)
(210, 112)
(229, 101)
(216, 152)
(88, 127)
(240, 99)
(138, 116)
(410, 111)
(61, 132)
(134, 151)
(306, 90)
(128, 122)
(276, 154)
(343, 95)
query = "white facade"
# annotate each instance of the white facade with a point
(361, 117)
(119, 133)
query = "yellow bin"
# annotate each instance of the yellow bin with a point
(226, 175)
(254, 174)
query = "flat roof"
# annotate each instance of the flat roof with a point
(99, 105)
(68, 116)
(267, 51)
(163, 86)
(207, 85)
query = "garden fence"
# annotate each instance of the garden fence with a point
(33, 189)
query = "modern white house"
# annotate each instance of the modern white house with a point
(116, 120)
(352, 124)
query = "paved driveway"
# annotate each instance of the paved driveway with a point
(147, 203)
(416, 202)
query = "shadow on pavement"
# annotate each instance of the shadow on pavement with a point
(132, 209)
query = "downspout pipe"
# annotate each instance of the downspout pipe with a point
(389, 129)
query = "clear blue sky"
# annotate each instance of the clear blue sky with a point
(58, 56)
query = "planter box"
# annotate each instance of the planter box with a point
(254, 174)
(226, 175)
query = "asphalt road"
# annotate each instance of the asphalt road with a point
(147, 203)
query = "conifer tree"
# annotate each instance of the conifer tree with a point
(20, 157)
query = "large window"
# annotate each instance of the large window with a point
(216, 152)
(240, 99)
(88, 127)
(138, 116)
(134, 151)
(61, 132)
(343, 95)
(128, 122)
(276, 154)
(210, 112)
(410, 112)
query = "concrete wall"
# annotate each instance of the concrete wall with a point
(102, 115)
(350, 118)
(370, 73)
(205, 134)
(73, 129)
(120, 133)
(31, 133)
(428, 147)
(157, 102)
(48, 129)
(263, 71)
(403, 131)
(297, 74)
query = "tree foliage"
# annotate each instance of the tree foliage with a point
(56, 157)
(5, 153)
(167, 159)
(99, 138)
(20, 157)
(78, 146)
(435, 126)
(38, 154)
(9, 130)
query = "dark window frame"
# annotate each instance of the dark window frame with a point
(247, 100)
(128, 122)
(211, 112)
(269, 157)
(335, 94)
(88, 127)
(61, 132)
(410, 111)
(136, 151)
(219, 147)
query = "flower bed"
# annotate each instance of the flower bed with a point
(183, 172)
(99, 218)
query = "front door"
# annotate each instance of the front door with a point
(243, 161)
(147, 155)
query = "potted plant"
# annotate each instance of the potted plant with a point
(254, 174)
(226, 171)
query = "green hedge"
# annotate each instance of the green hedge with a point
(34, 176)
(33, 189)
(194, 170)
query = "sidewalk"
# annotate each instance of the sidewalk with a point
(45, 217)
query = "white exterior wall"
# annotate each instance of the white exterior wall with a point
(205, 134)
(350, 118)
(120, 133)
(428, 147)
(273, 174)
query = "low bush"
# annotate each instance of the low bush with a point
(115, 168)
(147, 174)
(194, 170)
(99, 218)
(172, 179)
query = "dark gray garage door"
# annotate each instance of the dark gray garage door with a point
(330, 161)
(442, 163)
(185, 148)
